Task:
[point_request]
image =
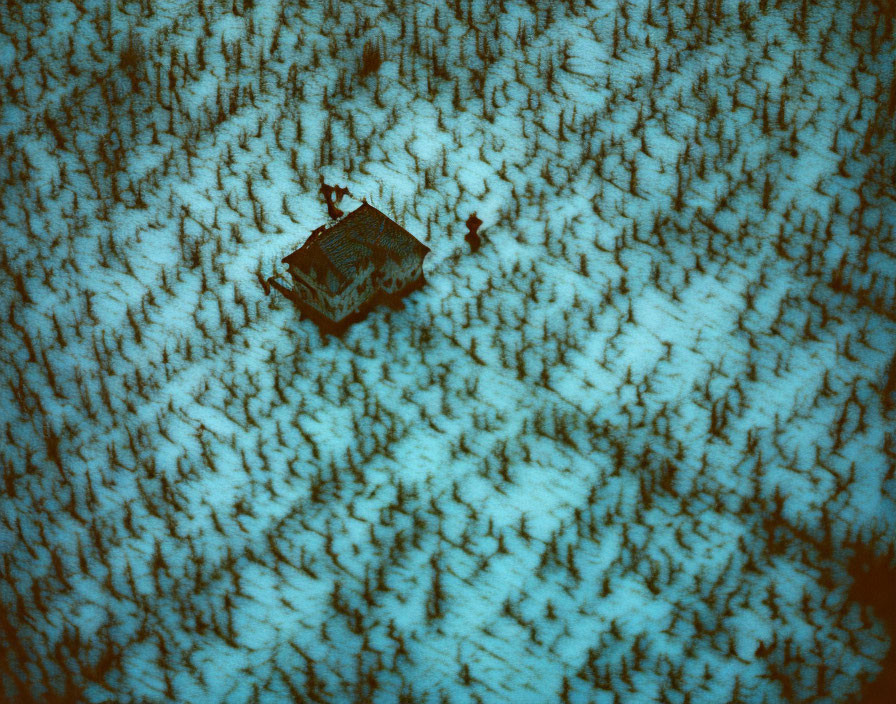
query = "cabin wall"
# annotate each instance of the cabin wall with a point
(395, 275)
(307, 290)
(354, 296)
(337, 306)
(392, 276)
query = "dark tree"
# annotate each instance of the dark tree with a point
(327, 191)
(472, 237)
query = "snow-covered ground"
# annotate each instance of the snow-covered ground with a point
(635, 449)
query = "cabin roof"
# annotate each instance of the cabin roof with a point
(336, 255)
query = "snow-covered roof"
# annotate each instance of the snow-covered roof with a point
(334, 256)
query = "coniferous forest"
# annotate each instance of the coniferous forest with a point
(638, 447)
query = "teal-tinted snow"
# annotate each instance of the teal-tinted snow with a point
(241, 468)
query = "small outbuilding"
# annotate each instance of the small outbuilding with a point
(363, 260)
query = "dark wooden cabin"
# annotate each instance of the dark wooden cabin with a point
(363, 260)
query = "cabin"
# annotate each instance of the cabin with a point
(363, 260)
